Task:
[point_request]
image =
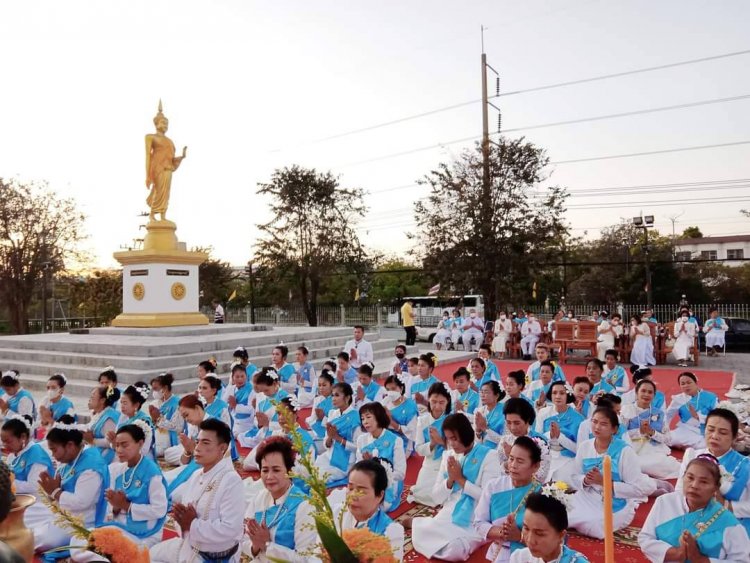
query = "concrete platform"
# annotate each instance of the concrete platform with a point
(139, 354)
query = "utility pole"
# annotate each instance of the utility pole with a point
(674, 218)
(251, 280)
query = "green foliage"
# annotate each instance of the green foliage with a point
(392, 282)
(216, 279)
(38, 231)
(311, 233)
(98, 294)
(692, 232)
(493, 242)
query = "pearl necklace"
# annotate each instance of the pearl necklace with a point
(71, 468)
(125, 483)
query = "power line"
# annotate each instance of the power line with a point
(551, 124)
(525, 91)
(646, 153)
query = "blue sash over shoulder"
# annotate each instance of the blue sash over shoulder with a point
(281, 519)
(345, 424)
(614, 451)
(437, 425)
(738, 466)
(569, 422)
(137, 492)
(703, 402)
(504, 503)
(470, 467)
(710, 538)
(326, 405)
(385, 446)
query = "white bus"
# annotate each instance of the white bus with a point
(428, 311)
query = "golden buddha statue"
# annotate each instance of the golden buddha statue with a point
(160, 163)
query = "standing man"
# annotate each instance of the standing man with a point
(218, 312)
(359, 350)
(407, 321)
(212, 515)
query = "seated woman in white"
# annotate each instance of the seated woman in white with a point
(78, 485)
(430, 443)
(283, 428)
(191, 411)
(515, 384)
(609, 401)
(377, 441)
(368, 479)
(342, 430)
(165, 412)
(286, 424)
(489, 419)
(631, 485)
(649, 433)
(443, 331)
(722, 427)
(499, 513)
(241, 398)
(365, 388)
(137, 496)
(27, 460)
(545, 522)
(684, 333)
(16, 400)
(419, 385)
(55, 404)
(690, 525)
(267, 392)
(322, 406)
(519, 421)
(131, 402)
(715, 330)
(278, 521)
(614, 374)
(559, 424)
(464, 398)
(502, 330)
(465, 470)
(537, 390)
(642, 353)
(104, 419)
(403, 412)
(692, 406)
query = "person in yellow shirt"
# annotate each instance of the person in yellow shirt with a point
(407, 321)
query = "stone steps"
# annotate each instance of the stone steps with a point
(141, 354)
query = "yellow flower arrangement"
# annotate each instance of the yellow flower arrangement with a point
(107, 542)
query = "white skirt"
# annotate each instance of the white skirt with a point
(587, 514)
(656, 461)
(681, 349)
(421, 491)
(643, 352)
(687, 436)
(441, 335)
(499, 343)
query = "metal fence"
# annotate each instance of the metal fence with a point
(388, 315)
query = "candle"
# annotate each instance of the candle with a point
(609, 538)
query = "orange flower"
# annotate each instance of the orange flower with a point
(112, 543)
(369, 547)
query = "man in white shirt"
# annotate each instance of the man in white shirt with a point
(211, 518)
(359, 350)
(473, 328)
(531, 330)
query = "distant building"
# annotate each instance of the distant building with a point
(733, 249)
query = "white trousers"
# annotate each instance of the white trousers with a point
(587, 514)
(422, 489)
(528, 343)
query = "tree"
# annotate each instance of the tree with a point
(215, 277)
(490, 241)
(98, 294)
(312, 231)
(39, 231)
(396, 279)
(692, 232)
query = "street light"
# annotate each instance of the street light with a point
(646, 223)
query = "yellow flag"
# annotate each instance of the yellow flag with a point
(356, 295)
(533, 291)
(233, 296)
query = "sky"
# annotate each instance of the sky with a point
(253, 86)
